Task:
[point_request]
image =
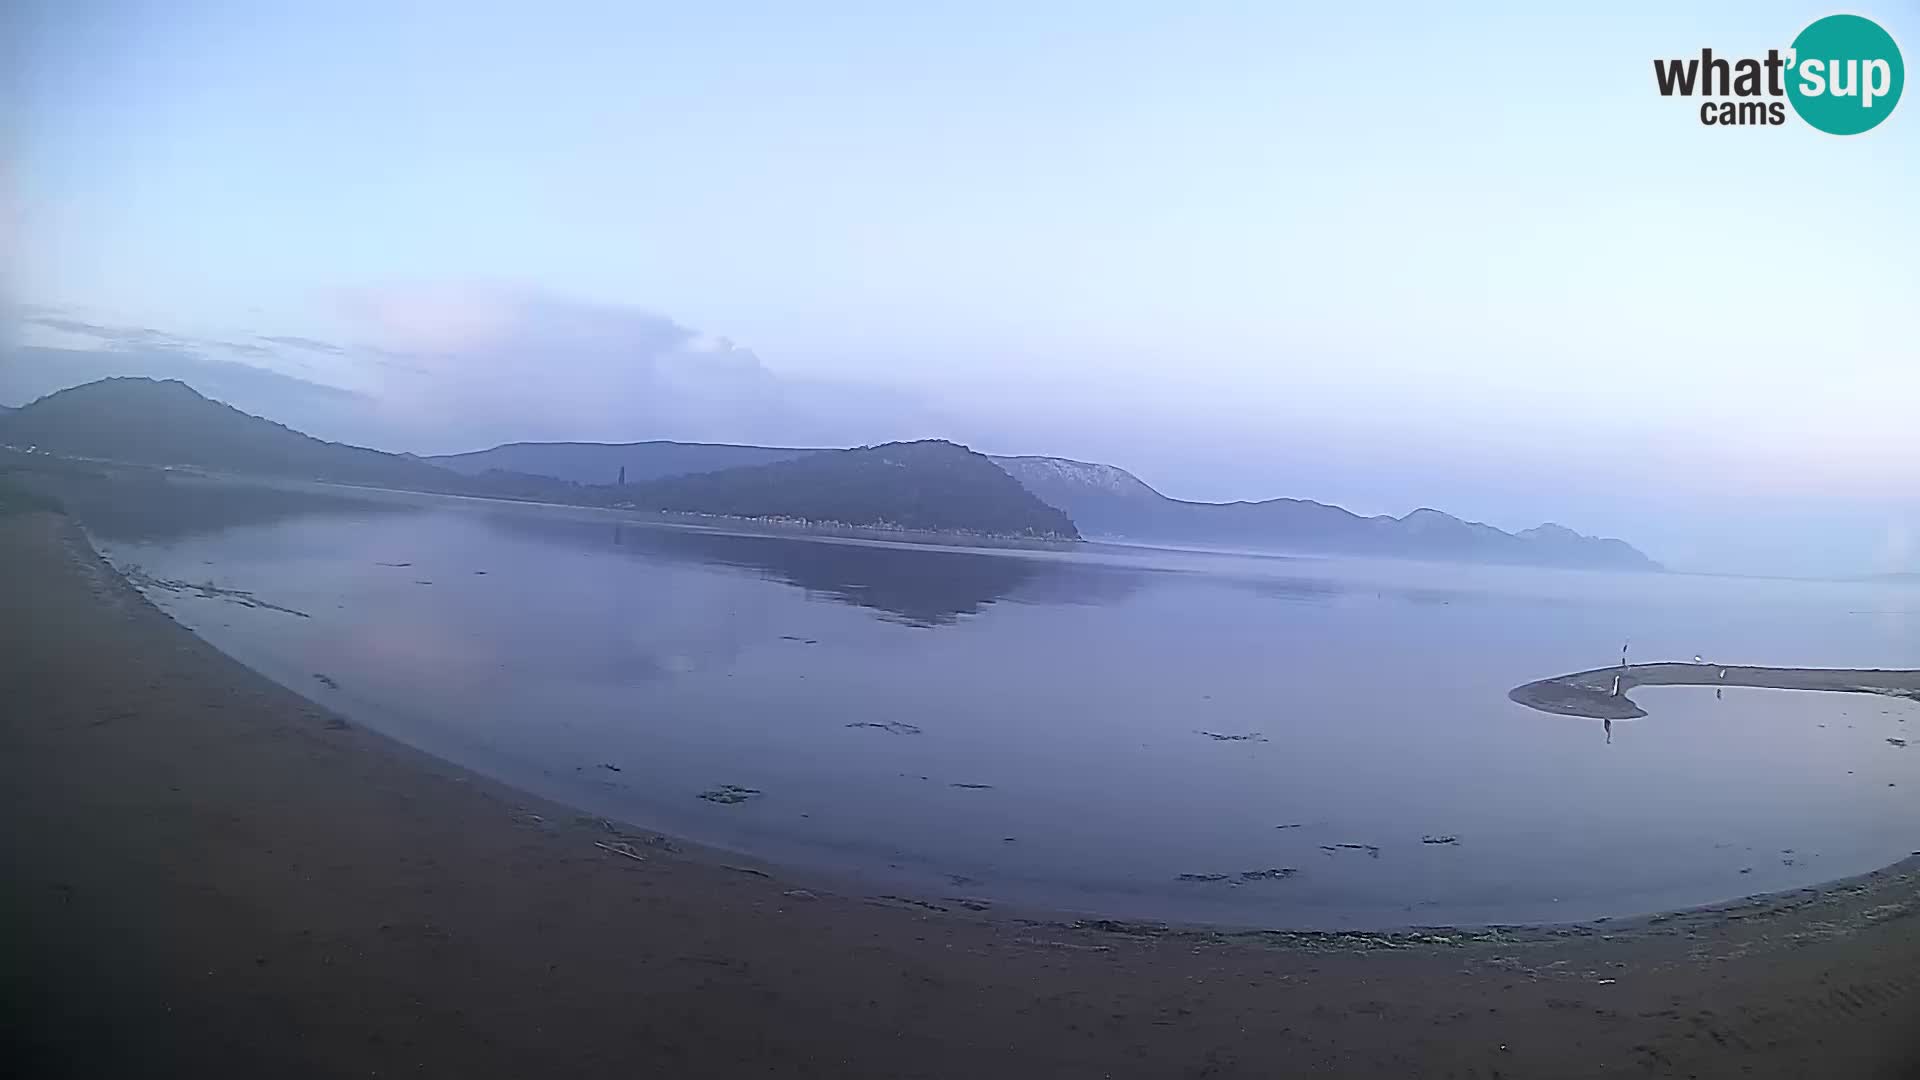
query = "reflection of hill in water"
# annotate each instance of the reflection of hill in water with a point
(1325, 590)
(920, 586)
(1292, 589)
(148, 505)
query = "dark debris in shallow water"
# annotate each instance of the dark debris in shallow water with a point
(652, 840)
(1372, 850)
(140, 579)
(891, 727)
(910, 902)
(1277, 873)
(621, 848)
(729, 794)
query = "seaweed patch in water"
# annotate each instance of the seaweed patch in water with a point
(140, 579)
(729, 794)
(1278, 873)
(891, 727)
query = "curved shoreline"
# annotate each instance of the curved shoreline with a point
(1591, 694)
(1587, 688)
(275, 889)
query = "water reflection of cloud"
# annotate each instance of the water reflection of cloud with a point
(467, 652)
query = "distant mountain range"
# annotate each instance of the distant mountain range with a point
(1108, 501)
(932, 485)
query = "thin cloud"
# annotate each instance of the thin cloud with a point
(526, 364)
(118, 336)
(294, 341)
(452, 367)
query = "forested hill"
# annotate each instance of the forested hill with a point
(931, 485)
(167, 422)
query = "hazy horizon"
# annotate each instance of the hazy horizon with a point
(1468, 259)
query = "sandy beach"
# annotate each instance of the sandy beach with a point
(208, 875)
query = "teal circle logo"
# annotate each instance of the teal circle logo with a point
(1846, 74)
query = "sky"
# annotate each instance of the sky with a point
(1386, 256)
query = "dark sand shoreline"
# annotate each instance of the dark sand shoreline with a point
(209, 875)
(1590, 694)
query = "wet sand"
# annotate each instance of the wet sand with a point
(207, 875)
(1591, 693)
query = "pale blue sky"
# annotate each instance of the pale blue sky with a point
(1384, 256)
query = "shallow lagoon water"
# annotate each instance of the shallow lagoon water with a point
(1247, 740)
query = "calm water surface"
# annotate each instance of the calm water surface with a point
(1044, 729)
